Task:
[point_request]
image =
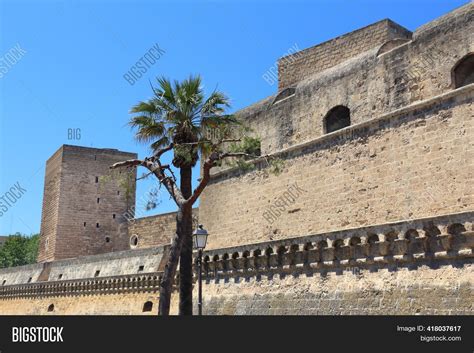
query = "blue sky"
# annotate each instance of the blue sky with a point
(73, 55)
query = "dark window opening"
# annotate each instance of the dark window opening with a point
(96, 179)
(51, 308)
(148, 306)
(85, 224)
(134, 240)
(30, 279)
(463, 72)
(4, 281)
(141, 268)
(107, 239)
(60, 276)
(96, 274)
(97, 225)
(118, 192)
(113, 216)
(98, 199)
(337, 118)
(285, 93)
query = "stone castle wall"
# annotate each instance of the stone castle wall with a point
(83, 213)
(155, 230)
(414, 164)
(376, 218)
(370, 85)
(400, 158)
(296, 67)
(120, 263)
(420, 266)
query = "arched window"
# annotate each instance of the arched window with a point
(134, 241)
(337, 118)
(51, 308)
(463, 72)
(148, 306)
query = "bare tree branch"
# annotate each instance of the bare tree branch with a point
(154, 166)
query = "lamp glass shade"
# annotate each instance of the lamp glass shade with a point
(200, 238)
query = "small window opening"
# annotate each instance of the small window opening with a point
(337, 118)
(51, 308)
(98, 199)
(118, 192)
(96, 179)
(133, 241)
(60, 276)
(147, 307)
(97, 225)
(30, 279)
(107, 239)
(140, 268)
(113, 216)
(463, 72)
(85, 224)
(97, 273)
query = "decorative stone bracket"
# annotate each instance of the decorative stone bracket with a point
(411, 241)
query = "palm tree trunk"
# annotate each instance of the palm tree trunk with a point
(186, 255)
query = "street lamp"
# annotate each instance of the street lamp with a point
(200, 239)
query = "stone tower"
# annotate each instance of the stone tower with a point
(83, 205)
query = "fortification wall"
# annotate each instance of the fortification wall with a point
(419, 266)
(155, 230)
(96, 304)
(296, 67)
(370, 85)
(413, 163)
(121, 263)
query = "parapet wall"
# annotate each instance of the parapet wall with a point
(296, 67)
(119, 263)
(419, 266)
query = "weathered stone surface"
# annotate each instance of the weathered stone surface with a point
(374, 218)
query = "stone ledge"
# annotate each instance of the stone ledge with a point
(348, 132)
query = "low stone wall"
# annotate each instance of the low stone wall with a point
(119, 263)
(418, 266)
(421, 266)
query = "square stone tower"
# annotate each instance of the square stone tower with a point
(84, 203)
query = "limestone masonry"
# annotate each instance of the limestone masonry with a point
(372, 212)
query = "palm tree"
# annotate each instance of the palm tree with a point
(176, 118)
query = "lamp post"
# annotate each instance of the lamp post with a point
(200, 239)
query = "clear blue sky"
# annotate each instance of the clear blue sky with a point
(71, 75)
